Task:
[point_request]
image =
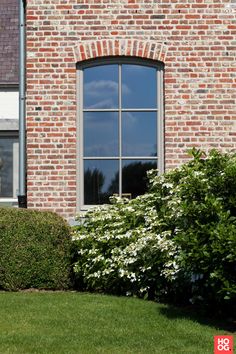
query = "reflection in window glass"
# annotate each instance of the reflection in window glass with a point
(139, 89)
(139, 134)
(134, 176)
(101, 87)
(7, 171)
(100, 181)
(100, 134)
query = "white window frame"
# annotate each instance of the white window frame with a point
(159, 111)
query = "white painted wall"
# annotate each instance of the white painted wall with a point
(9, 104)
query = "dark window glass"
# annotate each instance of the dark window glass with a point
(139, 89)
(6, 166)
(100, 180)
(139, 134)
(101, 87)
(134, 176)
(119, 130)
(101, 134)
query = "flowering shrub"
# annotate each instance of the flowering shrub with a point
(121, 251)
(178, 241)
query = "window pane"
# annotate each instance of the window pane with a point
(101, 179)
(134, 176)
(139, 134)
(7, 166)
(139, 87)
(100, 134)
(101, 87)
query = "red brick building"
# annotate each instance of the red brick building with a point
(113, 86)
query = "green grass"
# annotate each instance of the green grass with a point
(69, 322)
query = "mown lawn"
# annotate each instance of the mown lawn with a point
(70, 322)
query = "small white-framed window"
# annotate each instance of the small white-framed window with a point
(9, 150)
(120, 128)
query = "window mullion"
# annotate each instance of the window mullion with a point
(159, 121)
(100, 110)
(123, 110)
(81, 139)
(120, 131)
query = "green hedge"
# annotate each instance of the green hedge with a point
(34, 250)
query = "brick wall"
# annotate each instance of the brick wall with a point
(195, 40)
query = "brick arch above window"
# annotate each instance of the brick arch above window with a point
(120, 47)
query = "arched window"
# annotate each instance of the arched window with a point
(120, 128)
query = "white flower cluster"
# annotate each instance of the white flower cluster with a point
(121, 243)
